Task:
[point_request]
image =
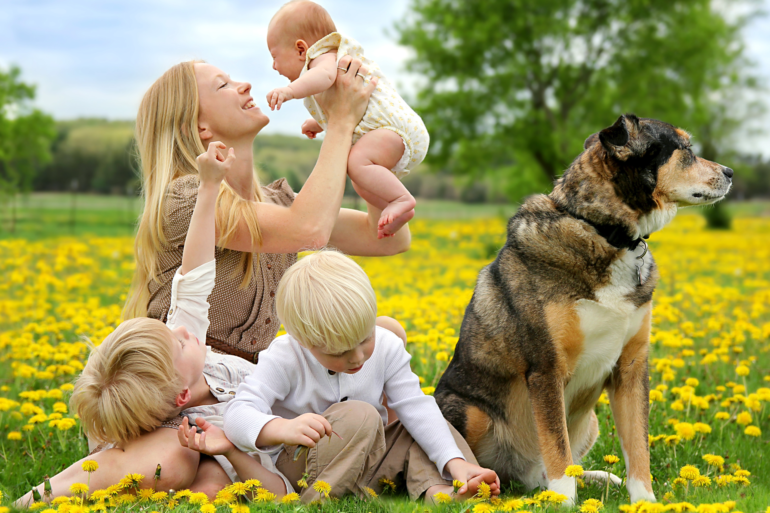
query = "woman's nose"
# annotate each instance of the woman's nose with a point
(244, 88)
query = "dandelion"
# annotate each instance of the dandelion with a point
(574, 471)
(322, 487)
(611, 459)
(591, 506)
(264, 496)
(197, 499)
(239, 489)
(702, 428)
(484, 492)
(253, 483)
(713, 460)
(302, 483)
(689, 472)
(701, 481)
(456, 485)
(483, 508)
(239, 508)
(145, 494)
(743, 418)
(14, 435)
(370, 492)
(78, 488)
(209, 508)
(722, 415)
(742, 370)
(742, 473)
(290, 498)
(185, 494)
(685, 430)
(442, 498)
(752, 431)
(162, 496)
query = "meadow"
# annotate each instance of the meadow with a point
(709, 362)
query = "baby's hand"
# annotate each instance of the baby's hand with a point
(276, 97)
(212, 441)
(307, 429)
(212, 165)
(311, 128)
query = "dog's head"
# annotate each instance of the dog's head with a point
(636, 173)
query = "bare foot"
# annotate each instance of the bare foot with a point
(391, 229)
(393, 213)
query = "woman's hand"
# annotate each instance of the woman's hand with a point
(347, 99)
(212, 441)
(213, 166)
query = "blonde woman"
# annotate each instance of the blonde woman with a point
(259, 230)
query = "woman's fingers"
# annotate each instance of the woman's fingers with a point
(344, 63)
(354, 66)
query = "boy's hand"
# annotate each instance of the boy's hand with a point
(306, 430)
(311, 128)
(212, 165)
(212, 441)
(472, 475)
(277, 96)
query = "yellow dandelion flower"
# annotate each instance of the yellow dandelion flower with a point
(197, 499)
(208, 508)
(253, 483)
(90, 466)
(574, 471)
(713, 460)
(722, 415)
(483, 508)
(685, 430)
(162, 496)
(701, 427)
(302, 483)
(742, 473)
(442, 498)
(239, 488)
(322, 487)
(611, 459)
(145, 494)
(743, 418)
(99, 495)
(370, 492)
(131, 480)
(692, 382)
(752, 431)
(456, 485)
(689, 472)
(224, 496)
(701, 481)
(184, 494)
(264, 496)
(38, 506)
(742, 370)
(290, 498)
(78, 488)
(483, 492)
(14, 435)
(239, 508)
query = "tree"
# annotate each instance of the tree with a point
(25, 135)
(512, 88)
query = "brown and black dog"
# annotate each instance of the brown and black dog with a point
(564, 311)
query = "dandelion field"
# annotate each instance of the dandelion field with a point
(709, 363)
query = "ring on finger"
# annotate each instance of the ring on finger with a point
(343, 69)
(360, 75)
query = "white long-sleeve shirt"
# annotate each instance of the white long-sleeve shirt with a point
(289, 382)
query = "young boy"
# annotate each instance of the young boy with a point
(326, 377)
(146, 372)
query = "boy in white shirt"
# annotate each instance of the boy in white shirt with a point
(325, 378)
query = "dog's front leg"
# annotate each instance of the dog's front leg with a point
(546, 395)
(629, 394)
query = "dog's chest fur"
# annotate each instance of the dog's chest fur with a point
(607, 324)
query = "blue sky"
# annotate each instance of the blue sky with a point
(96, 58)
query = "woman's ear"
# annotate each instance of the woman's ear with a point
(204, 133)
(301, 47)
(183, 397)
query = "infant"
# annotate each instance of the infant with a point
(390, 140)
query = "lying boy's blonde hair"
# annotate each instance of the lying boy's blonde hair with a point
(326, 300)
(306, 20)
(130, 383)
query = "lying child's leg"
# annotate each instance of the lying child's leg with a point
(140, 456)
(369, 167)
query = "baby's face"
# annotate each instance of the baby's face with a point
(189, 355)
(288, 59)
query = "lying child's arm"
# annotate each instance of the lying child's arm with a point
(321, 74)
(214, 442)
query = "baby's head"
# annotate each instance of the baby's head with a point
(137, 378)
(327, 304)
(295, 28)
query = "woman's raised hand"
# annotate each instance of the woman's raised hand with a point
(213, 166)
(347, 99)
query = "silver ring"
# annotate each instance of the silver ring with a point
(362, 76)
(343, 69)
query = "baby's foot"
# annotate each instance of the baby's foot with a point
(393, 216)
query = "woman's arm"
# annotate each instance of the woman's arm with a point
(355, 233)
(308, 223)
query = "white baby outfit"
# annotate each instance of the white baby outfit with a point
(386, 108)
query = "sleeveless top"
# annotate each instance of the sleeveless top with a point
(243, 320)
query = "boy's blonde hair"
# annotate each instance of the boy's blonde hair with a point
(326, 300)
(306, 20)
(129, 384)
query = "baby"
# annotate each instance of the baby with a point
(326, 378)
(390, 140)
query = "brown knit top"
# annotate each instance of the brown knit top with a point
(243, 320)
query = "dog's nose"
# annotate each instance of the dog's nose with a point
(727, 171)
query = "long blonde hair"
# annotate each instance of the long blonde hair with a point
(168, 143)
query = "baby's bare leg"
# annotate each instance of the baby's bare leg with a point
(369, 165)
(141, 456)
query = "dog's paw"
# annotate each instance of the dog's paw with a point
(638, 492)
(600, 476)
(565, 486)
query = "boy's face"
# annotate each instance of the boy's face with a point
(350, 361)
(288, 59)
(189, 355)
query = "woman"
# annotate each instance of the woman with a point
(260, 230)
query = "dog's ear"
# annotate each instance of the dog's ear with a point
(616, 138)
(592, 139)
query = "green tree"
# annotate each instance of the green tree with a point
(511, 88)
(25, 136)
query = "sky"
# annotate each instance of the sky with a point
(96, 58)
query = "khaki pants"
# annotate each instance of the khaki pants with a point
(367, 453)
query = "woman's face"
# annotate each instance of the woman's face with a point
(227, 110)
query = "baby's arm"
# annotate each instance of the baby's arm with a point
(213, 166)
(214, 442)
(321, 74)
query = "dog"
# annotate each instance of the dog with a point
(563, 312)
